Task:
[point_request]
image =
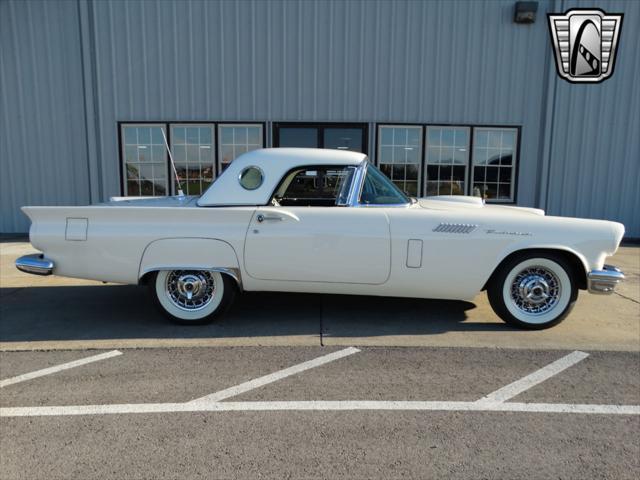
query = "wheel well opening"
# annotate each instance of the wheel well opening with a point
(146, 278)
(577, 267)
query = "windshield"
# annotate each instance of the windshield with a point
(379, 190)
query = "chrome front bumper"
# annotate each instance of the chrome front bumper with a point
(35, 263)
(604, 281)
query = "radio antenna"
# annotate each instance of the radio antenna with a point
(173, 165)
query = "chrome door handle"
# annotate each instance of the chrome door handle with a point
(261, 218)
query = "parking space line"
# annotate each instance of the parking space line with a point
(509, 391)
(58, 368)
(274, 377)
(330, 405)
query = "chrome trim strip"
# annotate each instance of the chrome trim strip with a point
(356, 184)
(35, 264)
(232, 272)
(604, 281)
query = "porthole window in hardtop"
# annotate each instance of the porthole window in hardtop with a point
(251, 177)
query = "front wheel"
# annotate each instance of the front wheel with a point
(533, 291)
(192, 297)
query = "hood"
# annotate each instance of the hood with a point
(175, 201)
(461, 202)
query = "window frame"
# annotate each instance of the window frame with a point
(472, 127)
(514, 166)
(421, 162)
(321, 126)
(218, 128)
(123, 156)
(354, 179)
(466, 166)
(167, 125)
(214, 140)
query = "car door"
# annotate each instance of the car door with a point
(319, 244)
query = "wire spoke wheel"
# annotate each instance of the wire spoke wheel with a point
(535, 290)
(189, 289)
(192, 297)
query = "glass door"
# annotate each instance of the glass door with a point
(340, 136)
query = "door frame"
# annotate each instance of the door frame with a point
(321, 126)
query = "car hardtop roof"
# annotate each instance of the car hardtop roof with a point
(306, 156)
(274, 163)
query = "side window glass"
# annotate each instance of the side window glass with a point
(379, 190)
(323, 186)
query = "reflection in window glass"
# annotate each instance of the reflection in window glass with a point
(399, 156)
(236, 139)
(494, 152)
(192, 148)
(298, 137)
(145, 160)
(378, 190)
(447, 160)
(343, 139)
(315, 186)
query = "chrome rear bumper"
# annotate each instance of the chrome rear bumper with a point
(35, 263)
(604, 281)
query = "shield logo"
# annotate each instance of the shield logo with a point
(585, 44)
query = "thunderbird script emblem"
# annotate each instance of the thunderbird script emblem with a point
(585, 44)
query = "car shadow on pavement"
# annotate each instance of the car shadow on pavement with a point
(119, 312)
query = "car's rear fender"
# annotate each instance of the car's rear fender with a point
(190, 254)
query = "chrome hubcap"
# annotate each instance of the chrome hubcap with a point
(535, 290)
(190, 290)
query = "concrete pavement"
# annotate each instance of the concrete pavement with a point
(52, 312)
(320, 443)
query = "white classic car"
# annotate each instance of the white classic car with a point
(326, 221)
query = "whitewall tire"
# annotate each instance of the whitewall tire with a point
(533, 291)
(192, 297)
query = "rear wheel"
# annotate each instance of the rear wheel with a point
(533, 291)
(192, 297)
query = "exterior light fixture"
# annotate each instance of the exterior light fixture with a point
(525, 12)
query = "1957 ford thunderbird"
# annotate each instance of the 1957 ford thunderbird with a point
(326, 221)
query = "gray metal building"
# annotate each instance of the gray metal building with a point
(446, 96)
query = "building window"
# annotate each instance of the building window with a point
(145, 160)
(236, 139)
(146, 170)
(458, 160)
(193, 151)
(400, 156)
(447, 160)
(494, 160)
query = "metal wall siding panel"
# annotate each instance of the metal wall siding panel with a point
(43, 158)
(595, 157)
(462, 62)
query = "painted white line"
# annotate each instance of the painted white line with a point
(58, 368)
(274, 377)
(505, 393)
(206, 406)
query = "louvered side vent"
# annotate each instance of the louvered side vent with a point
(455, 228)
